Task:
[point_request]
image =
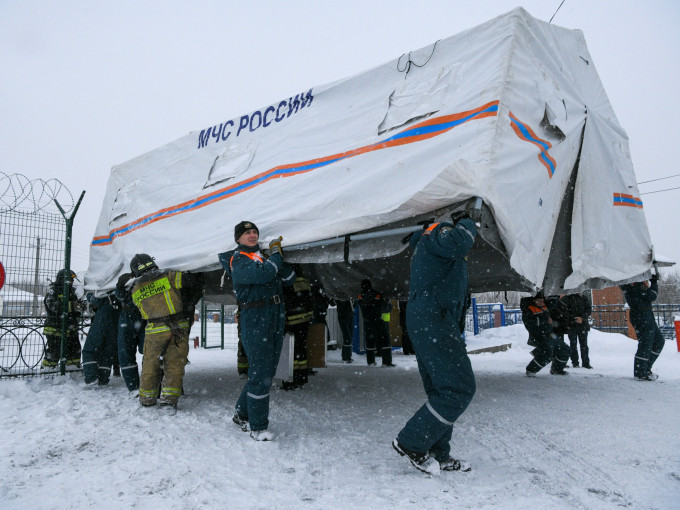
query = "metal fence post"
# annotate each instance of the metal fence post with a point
(222, 325)
(66, 287)
(204, 325)
(475, 317)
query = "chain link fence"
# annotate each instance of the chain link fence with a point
(32, 250)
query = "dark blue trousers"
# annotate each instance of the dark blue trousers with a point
(650, 345)
(262, 331)
(99, 350)
(447, 377)
(130, 341)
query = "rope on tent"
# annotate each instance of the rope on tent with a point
(409, 62)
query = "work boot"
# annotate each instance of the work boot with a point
(531, 374)
(575, 365)
(558, 371)
(169, 409)
(421, 461)
(649, 377)
(452, 464)
(261, 435)
(240, 421)
(587, 365)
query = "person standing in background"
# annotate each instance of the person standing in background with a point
(580, 308)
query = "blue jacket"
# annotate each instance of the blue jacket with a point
(439, 266)
(253, 276)
(640, 297)
(536, 319)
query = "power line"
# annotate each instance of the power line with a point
(659, 191)
(556, 11)
(659, 179)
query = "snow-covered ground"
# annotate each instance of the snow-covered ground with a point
(592, 439)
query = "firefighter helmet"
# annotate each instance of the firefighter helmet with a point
(141, 263)
(63, 274)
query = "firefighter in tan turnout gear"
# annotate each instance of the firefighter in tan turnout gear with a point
(158, 295)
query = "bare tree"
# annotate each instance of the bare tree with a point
(669, 288)
(509, 299)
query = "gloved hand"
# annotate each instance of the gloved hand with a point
(275, 245)
(655, 278)
(115, 304)
(123, 279)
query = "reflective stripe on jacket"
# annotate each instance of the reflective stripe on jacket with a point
(160, 296)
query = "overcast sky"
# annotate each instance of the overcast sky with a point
(86, 85)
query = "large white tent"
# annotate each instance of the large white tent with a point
(511, 111)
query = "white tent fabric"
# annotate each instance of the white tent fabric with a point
(501, 111)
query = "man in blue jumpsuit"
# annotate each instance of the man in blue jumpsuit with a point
(346, 322)
(539, 321)
(130, 334)
(376, 334)
(99, 350)
(640, 297)
(437, 288)
(258, 283)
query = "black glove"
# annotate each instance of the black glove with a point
(655, 278)
(123, 279)
(459, 215)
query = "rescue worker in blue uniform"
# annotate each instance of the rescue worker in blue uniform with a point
(376, 334)
(130, 338)
(346, 321)
(580, 310)
(437, 287)
(99, 351)
(158, 296)
(537, 319)
(54, 307)
(258, 283)
(640, 296)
